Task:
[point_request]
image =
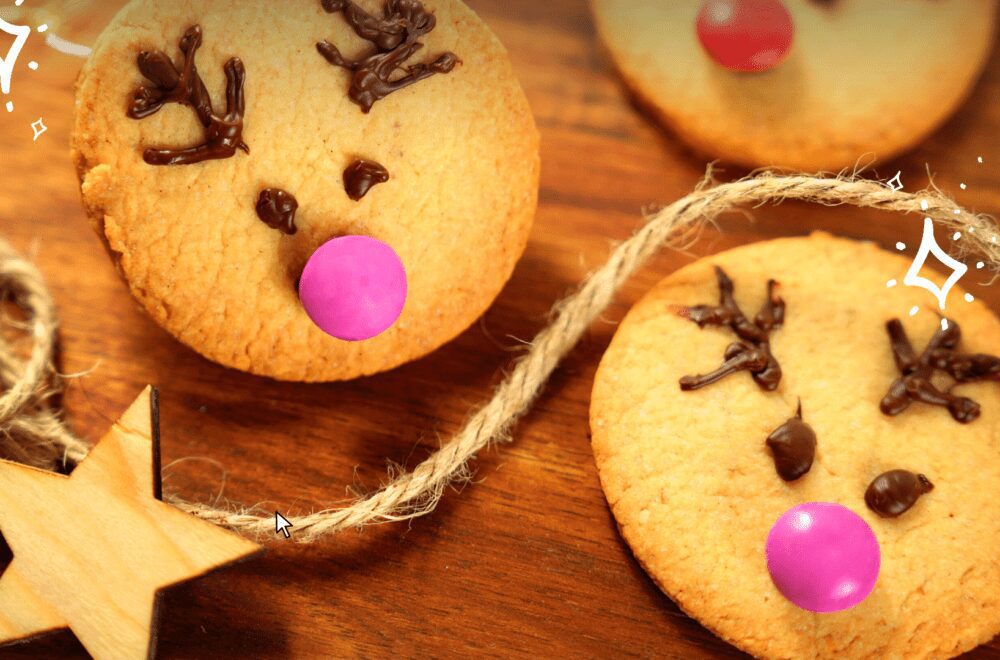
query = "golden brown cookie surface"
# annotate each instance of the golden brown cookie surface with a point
(461, 149)
(694, 488)
(862, 78)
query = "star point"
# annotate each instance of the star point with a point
(39, 127)
(929, 246)
(896, 183)
(93, 551)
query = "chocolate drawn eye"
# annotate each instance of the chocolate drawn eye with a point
(361, 175)
(892, 493)
(276, 208)
(793, 445)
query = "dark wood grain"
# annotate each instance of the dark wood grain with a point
(526, 560)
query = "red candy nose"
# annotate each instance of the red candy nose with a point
(746, 35)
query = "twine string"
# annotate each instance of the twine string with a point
(32, 431)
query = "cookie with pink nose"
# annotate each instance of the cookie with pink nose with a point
(800, 465)
(311, 190)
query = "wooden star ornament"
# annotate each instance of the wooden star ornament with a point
(93, 550)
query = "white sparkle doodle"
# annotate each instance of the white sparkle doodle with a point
(38, 127)
(7, 62)
(896, 183)
(928, 246)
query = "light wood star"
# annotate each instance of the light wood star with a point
(93, 550)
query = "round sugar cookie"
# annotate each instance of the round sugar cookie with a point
(858, 78)
(695, 488)
(417, 136)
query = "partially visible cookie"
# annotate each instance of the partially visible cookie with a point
(693, 479)
(417, 138)
(804, 84)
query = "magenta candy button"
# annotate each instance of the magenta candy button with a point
(746, 35)
(353, 287)
(823, 557)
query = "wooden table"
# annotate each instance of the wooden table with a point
(525, 560)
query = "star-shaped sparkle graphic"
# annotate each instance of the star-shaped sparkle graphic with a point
(896, 183)
(93, 551)
(929, 246)
(38, 127)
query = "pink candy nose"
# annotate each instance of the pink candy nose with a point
(746, 35)
(353, 287)
(823, 557)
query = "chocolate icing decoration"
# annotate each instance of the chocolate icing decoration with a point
(941, 353)
(794, 447)
(276, 208)
(892, 493)
(753, 352)
(361, 175)
(395, 37)
(223, 135)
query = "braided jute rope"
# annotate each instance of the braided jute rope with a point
(31, 429)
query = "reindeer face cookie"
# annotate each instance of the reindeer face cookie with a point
(796, 468)
(804, 84)
(309, 190)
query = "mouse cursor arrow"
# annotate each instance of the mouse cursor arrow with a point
(281, 525)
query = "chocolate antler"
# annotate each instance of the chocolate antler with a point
(941, 353)
(223, 135)
(753, 352)
(395, 37)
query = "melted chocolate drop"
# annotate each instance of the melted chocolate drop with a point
(361, 176)
(753, 352)
(276, 208)
(223, 134)
(794, 447)
(892, 493)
